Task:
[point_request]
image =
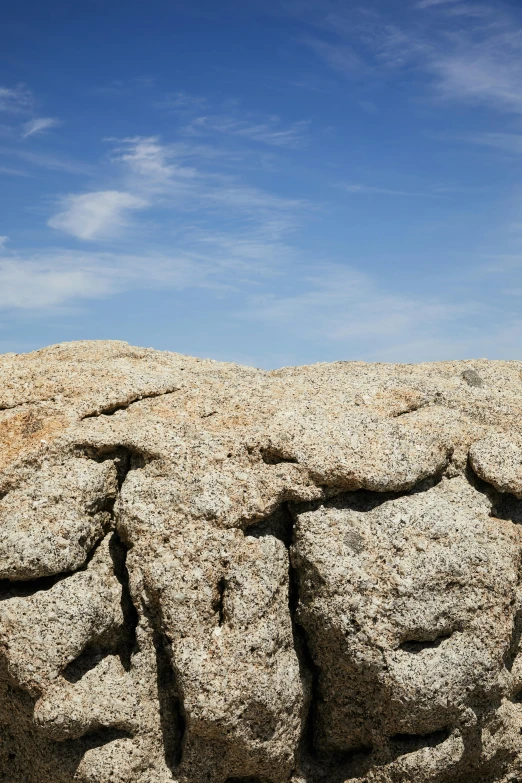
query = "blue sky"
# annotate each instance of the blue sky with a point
(274, 182)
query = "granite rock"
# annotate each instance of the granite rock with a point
(213, 573)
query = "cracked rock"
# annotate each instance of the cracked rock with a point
(216, 574)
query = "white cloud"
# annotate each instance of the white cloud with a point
(150, 160)
(472, 50)
(474, 55)
(119, 87)
(38, 125)
(346, 311)
(432, 3)
(95, 215)
(55, 278)
(158, 173)
(49, 161)
(11, 172)
(338, 55)
(3, 240)
(490, 73)
(181, 102)
(270, 131)
(15, 100)
(39, 286)
(506, 142)
(340, 302)
(51, 280)
(378, 191)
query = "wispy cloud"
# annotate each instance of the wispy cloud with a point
(56, 278)
(474, 54)
(433, 3)
(38, 125)
(483, 71)
(471, 51)
(150, 160)
(228, 119)
(337, 54)
(506, 142)
(181, 102)
(351, 313)
(270, 131)
(12, 172)
(52, 161)
(379, 191)
(159, 172)
(96, 215)
(118, 87)
(3, 240)
(15, 100)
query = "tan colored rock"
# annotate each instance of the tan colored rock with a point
(50, 523)
(212, 573)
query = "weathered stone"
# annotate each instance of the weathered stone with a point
(215, 573)
(49, 524)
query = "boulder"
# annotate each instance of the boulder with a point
(216, 574)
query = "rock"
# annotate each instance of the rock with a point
(497, 459)
(211, 573)
(409, 608)
(51, 522)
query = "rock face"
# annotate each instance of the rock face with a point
(215, 574)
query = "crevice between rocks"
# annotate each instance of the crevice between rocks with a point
(125, 645)
(125, 459)
(417, 406)
(280, 524)
(504, 505)
(171, 708)
(127, 642)
(219, 606)
(25, 588)
(26, 402)
(110, 410)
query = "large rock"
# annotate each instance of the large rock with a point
(215, 573)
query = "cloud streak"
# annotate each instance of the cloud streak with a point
(269, 132)
(56, 278)
(161, 174)
(471, 52)
(15, 100)
(96, 215)
(356, 188)
(351, 314)
(38, 125)
(51, 161)
(338, 55)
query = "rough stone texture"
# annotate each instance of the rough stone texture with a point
(215, 574)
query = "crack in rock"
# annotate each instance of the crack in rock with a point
(110, 410)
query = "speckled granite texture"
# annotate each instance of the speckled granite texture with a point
(216, 574)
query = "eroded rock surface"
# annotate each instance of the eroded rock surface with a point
(212, 573)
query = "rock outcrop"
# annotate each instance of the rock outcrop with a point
(216, 574)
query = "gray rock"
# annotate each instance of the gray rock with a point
(214, 573)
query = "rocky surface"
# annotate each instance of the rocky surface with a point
(215, 574)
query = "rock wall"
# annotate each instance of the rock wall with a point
(215, 574)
